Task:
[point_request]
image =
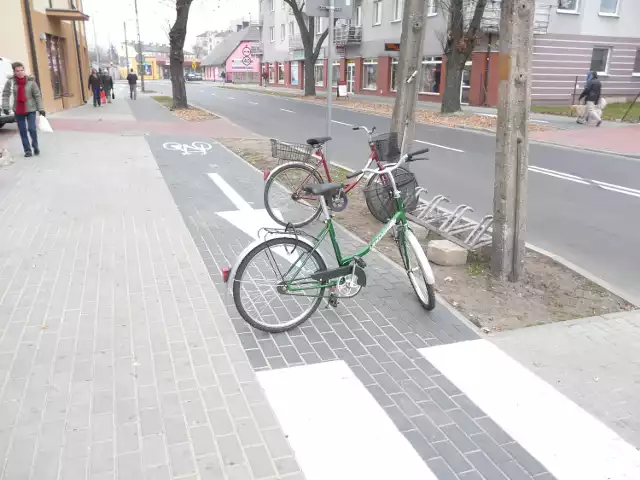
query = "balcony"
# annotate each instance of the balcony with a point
(491, 18)
(256, 48)
(347, 35)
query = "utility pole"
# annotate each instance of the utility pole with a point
(332, 16)
(512, 141)
(140, 59)
(402, 121)
(126, 45)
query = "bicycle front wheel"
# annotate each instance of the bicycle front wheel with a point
(272, 288)
(418, 269)
(284, 197)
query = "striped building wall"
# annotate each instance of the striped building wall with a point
(558, 59)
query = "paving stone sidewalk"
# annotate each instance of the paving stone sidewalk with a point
(117, 357)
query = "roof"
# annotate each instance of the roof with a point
(224, 49)
(208, 32)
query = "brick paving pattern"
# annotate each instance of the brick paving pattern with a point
(117, 357)
(377, 334)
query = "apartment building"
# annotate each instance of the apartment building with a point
(48, 37)
(571, 38)
(209, 40)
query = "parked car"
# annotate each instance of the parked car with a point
(5, 71)
(191, 77)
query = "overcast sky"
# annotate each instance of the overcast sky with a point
(156, 16)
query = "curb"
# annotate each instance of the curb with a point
(633, 156)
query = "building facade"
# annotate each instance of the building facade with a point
(48, 37)
(236, 56)
(571, 38)
(154, 61)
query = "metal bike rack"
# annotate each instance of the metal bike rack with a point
(452, 224)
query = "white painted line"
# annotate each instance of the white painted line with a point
(342, 123)
(617, 188)
(559, 175)
(231, 98)
(228, 190)
(336, 428)
(568, 441)
(213, 94)
(547, 170)
(253, 103)
(440, 146)
(285, 110)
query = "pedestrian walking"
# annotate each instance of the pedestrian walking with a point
(107, 84)
(95, 85)
(132, 78)
(591, 94)
(27, 100)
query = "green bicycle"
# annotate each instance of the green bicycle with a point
(279, 282)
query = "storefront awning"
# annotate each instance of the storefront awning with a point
(67, 14)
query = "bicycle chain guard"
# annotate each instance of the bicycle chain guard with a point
(339, 202)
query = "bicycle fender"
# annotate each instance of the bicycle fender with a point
(259, 241)
(280, 167)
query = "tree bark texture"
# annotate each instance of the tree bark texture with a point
(512, 141)
(177, 36)
(402, 120)
(459, 45)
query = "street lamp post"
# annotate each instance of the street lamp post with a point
(140, 59)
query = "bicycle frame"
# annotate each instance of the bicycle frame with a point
(398, 217)
(373, 157)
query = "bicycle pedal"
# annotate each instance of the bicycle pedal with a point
(332, 301)
(360, 262)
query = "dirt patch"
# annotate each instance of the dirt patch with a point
(549, 292)
(191, 114)
(429, 117)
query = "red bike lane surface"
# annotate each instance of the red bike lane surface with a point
(622, 140)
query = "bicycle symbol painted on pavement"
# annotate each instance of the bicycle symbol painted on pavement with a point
(186, 149)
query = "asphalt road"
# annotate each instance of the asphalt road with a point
(582, 206)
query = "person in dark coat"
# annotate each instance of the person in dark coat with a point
(107, 84)
(132, 79)
(95, 85)
(591, 93)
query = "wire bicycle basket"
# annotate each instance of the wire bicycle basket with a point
(379, 194)
(290, 152)
(386, 146)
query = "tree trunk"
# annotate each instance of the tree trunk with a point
(453, 82)
(309, 74)
(176, 55)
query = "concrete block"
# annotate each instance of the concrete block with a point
(446, 253)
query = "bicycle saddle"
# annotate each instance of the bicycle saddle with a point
(318, 140)
(323, 188)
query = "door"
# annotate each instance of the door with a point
(466, 84)
(351, 77)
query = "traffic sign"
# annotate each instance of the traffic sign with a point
(194, 64)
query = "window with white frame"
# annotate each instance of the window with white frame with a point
(335, 74)
(600, 60)
(370, 74)
(377, 12)
(568, 6)
(272, 73)
(284, 5)
(319, 74)
(394, 75)
(272, 34)
(280, 73)
(397, 10)
(318, 25)
(609, 7)
(291, 29)
(282, 32)
(432, 7)
(430, 75)
(636, 65)
(359, 16)
(271, 8)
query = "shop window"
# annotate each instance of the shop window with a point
(370, 74)
(430, 75)
(335, 74)
(319, 74)
(57, 67)
(280, 73)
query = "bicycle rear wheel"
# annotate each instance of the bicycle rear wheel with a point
(418, 269)
(284, 198)
(259, 285)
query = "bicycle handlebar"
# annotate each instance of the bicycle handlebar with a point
(409, 157)
(373, 129)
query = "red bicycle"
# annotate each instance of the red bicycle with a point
(285, 183)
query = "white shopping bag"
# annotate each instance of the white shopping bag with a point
(44, 125)
(603, 103)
